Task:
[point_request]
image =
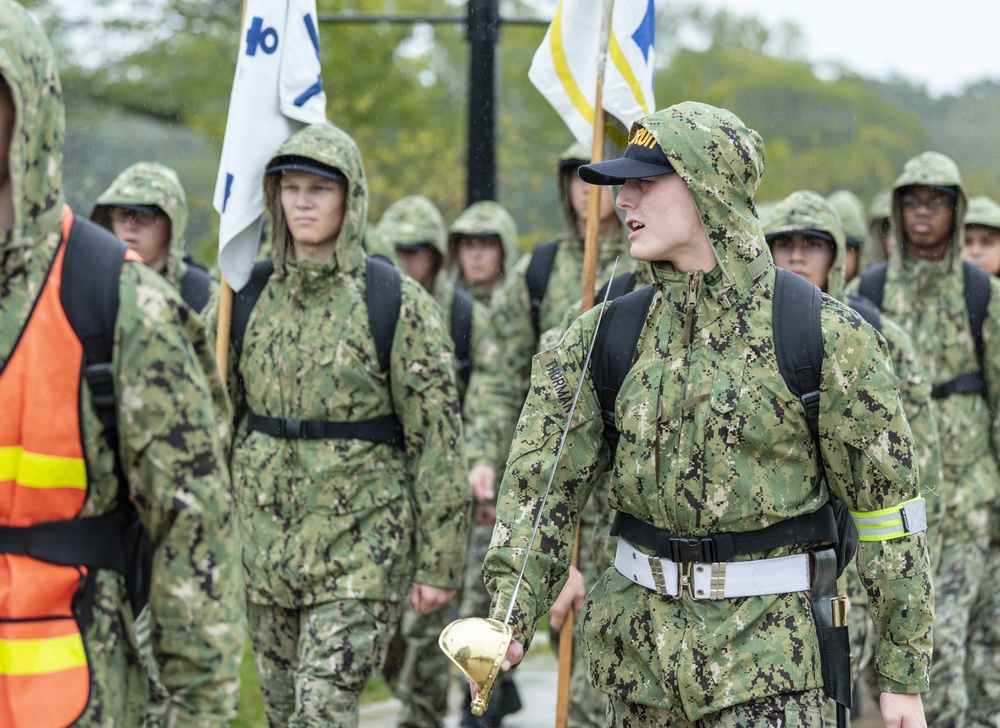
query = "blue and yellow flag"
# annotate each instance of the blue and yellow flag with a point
(564, 68)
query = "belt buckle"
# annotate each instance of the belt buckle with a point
(685, 579)
(716, 582)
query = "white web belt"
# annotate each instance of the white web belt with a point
(725, 580)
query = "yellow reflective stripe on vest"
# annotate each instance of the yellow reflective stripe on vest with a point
(42, 656)
(34, 470)
(907, 518)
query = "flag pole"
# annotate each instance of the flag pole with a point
(225, 321)
(587, 303)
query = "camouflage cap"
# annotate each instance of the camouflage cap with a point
(333, 147)
(983, 211)
(880, 207)
(807, 212)
(486, 217)
(35, 159)
(148, 184)
(412, 221)
(852, 217)
(932, 169)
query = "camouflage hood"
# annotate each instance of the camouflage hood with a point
(575, 155)
(414, 220)
(721, 161)
(804, 211)
(881, 207)
(331, 146)
(983, 211)
(852, 218)
(484, 218)
(930, 168)
(28, 65)
(149, 183)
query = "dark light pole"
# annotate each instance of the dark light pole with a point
(483, 32)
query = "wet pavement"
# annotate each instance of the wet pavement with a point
(536, 683)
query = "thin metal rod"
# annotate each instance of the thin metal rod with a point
(562, 444)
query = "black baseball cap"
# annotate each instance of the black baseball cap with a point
(136, 208)
(643, 158)
(304, 164)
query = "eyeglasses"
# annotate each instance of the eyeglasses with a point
(934, 204)
(123, 215)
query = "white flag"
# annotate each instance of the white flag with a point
(277, 90)
(564, 68)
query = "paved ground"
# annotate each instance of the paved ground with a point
(536, 683)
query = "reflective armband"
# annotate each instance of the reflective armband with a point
(902, 520)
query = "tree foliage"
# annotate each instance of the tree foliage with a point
(154, 83)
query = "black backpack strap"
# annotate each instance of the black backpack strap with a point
(798, 340)
(977, 298)
(537, 277)
(245, 299)
(873, 283)
(618, 286)
(461, 333)
(91, 274)
(196, 287)
(868, 311)
(615, 351)
(383, 295)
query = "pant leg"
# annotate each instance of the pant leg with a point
(983, 661)
(274, 633)
(341, 646)
(633, 715)
(957, 582)
(422, 683)
(790, 710)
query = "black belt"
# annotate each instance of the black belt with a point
(820, 526)
(385, 429)
(94, 542)
(969, 383)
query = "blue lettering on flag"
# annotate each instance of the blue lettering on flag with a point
(644, 35)
(311, 29)
(229, 188)
(260, 37)
(316, 88)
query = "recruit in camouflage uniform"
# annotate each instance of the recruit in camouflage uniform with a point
(485, 219)
(927, 299)
(852, 218)
(587, 704)
(984, 636)
(880, 226)
(807, 211)
(565, 287)
(335, 530)
(422, 681)
(170, 446)
(712, 441)
(151, 183)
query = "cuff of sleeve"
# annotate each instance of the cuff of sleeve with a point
(435, 578)
(888, 685)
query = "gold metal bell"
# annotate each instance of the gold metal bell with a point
(478, 646)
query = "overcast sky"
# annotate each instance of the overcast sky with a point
(943, 44)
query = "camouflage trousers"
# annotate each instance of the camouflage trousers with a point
(959, 579)
(790, 710)
(314, 662)
(421, 682)
(983, 661)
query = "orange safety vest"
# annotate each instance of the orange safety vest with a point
(44, 676)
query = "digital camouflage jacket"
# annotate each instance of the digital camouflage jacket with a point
(344, 518)
(927, 299)
(808, 211)
(165, 386)
(713, 441)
